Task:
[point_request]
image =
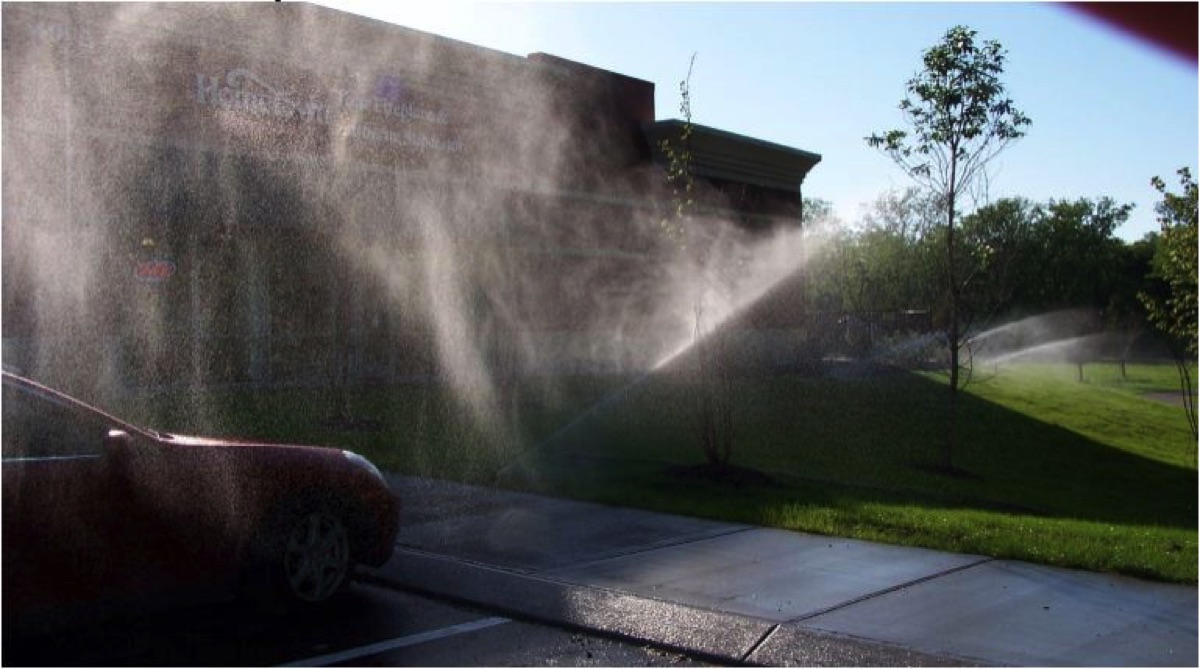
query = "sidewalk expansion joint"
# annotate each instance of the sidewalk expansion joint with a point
(671, 543)
(470, 562)
(885, 591)
(745, 658)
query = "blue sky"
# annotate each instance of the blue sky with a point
(1109, 112)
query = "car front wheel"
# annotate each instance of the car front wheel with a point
(301, 556)
(316, 556)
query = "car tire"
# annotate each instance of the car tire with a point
(303, 557)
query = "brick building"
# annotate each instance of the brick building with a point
(283, 193)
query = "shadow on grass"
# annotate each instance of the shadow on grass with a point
(879, 436)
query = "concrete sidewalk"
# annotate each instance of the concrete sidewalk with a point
(738, 593)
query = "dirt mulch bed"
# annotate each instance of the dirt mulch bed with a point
(729, 475)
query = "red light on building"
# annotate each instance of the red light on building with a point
(155, 270)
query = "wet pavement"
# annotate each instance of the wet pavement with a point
(738, 593)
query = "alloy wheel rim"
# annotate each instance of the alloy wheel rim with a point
(317, 557)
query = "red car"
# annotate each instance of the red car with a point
(96, 510)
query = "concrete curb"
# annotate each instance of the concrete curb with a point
(722, 637)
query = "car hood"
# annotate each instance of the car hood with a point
(319, 461)
(190, 440)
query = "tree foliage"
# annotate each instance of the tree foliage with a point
(678, 153)
(815, 211)
(1061, 253)
(1016, 257)
(958, 115)
(1175, 263)
(1173, 311)
(891, 264)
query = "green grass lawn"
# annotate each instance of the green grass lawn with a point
(1090, 475)
(1087, 475)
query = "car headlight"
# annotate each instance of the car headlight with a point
(363, 463)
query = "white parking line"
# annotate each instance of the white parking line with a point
(393, 644)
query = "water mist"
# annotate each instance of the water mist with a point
(275, 195)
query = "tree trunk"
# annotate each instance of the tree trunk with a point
(952, 419)
(1187, 392)
(953, 336)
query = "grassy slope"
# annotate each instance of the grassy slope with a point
(1084, 475)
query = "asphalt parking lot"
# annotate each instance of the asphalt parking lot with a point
(367, 625)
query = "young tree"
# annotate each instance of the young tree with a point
(1175, 264)
(959, 118)
(713, 381)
